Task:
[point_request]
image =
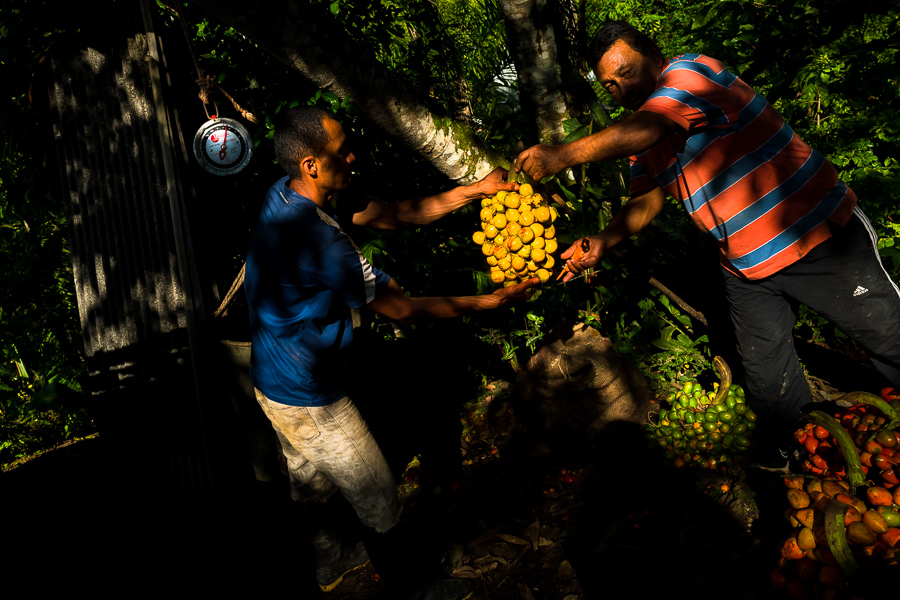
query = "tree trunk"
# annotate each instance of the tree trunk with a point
(533, 46)
(313, 43)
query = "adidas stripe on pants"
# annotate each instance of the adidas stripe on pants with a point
(844, 281)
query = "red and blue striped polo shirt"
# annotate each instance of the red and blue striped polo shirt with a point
(740, 170)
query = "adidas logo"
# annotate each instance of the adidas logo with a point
(859, 291)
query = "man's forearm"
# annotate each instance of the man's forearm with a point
(633, 134)
(422, 211)
(634, 216)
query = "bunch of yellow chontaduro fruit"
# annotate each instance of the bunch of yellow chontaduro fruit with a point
(517, 236)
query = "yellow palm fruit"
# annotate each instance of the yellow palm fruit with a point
(549, 262)
(513, 229)
(542, 214)
(498, 276)
(527, 235)
(491, 231)
(510, 275)
(512, 200)
(500, 252)
(525, 251)
(504, 263)
(498, 207)
(550, 246)
(487, 214)
(554, 214)
(501, 238)
(492, 261)
(543, 275)
(514, 243)
(487, 248)
(550, 232)
(531, 266)
(499, 221)
(538, 242)
(499, 196)
(526, 218)
(525, 189)
(486, 202)
(512, 216)
(538, 254)
(478, 237)
(527, 201)
(518, 263)
(538, 229)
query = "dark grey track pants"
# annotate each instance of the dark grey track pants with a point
(844, 281)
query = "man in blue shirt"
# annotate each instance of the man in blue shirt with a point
(305, 279)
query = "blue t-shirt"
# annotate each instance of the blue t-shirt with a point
(303, 276)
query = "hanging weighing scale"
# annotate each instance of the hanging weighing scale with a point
(223, 146)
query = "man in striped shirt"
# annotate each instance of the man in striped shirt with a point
(788, 229)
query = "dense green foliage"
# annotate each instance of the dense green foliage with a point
(40, 339)
(833, 78)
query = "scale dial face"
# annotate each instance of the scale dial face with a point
(223, 146)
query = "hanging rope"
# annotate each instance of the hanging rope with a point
(208, 86)
(229, 297)
(207, 83)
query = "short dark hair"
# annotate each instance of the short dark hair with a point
(300, 132)
(613, 31)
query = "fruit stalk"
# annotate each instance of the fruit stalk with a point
(848, 449)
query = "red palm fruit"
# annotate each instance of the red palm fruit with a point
(779, 579)
(852, 516)
(874, 521)
(798, 498)
(820, 432)
(860, 535)
(793, 482)
(888, 476)
(799, 590)
(832, 487)
(878, 496)
(890, 394)
(865, 458)
(823, 553)
(882, 461)
(887, 438)
(818, 462)
(790, 549)
(872, 447)
(852, 501)
(831, 576)
(811, 444)
(891, 537)
(806, 569)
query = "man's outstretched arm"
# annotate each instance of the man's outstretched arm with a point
(633, 134)
(422, 211)
(394, 304)
(634, 216)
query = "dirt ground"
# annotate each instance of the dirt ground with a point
(619, 521)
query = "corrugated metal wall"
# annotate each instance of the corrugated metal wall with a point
(130, 244)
